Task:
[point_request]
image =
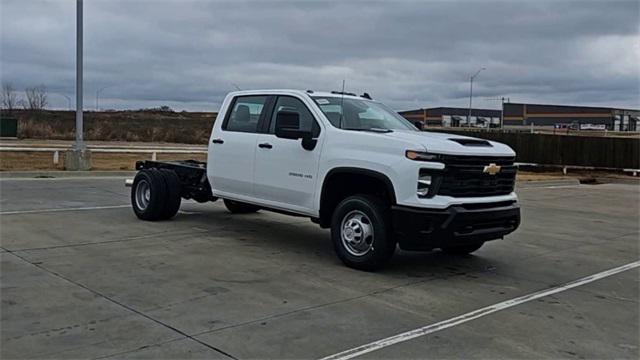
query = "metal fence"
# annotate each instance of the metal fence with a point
(605, 152)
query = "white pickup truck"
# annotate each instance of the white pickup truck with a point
(348, 163)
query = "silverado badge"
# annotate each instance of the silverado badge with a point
(491, 169)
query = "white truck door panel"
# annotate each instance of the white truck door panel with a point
(234, 148)
(285, 172)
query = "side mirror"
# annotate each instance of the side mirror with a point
(288, 126)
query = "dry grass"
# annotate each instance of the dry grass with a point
(29, 161)
(135, 126)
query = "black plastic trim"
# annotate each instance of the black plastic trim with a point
(426, 229)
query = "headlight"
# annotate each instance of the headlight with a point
(420, 155)
(424, 184)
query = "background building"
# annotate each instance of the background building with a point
(577, 116)
(454, 117)
(519, 114)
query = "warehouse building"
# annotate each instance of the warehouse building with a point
(584, 117)
(519, 114)
(453, 117)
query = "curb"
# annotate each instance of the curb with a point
(63, 174)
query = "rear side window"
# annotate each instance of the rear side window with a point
(291, 104)
(245, 114)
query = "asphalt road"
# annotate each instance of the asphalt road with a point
(81, 277)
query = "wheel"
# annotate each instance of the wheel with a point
(462, 249)
(148, 194)
(361, 232)
(237, 207)
(173, 198)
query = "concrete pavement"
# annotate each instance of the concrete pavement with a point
(83, 278)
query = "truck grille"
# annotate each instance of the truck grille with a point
(464, 176)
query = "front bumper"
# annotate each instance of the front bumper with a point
(425, 229)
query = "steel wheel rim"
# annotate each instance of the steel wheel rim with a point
(143, 194)
(356, 233)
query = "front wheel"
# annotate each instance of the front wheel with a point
(462, 249)
(361, 232)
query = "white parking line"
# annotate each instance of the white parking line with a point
(429, 329)
(37, 211)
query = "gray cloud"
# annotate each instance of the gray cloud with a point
(188, 54)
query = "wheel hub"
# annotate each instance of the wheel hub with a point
(357, 233)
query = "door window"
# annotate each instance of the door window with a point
(291, 104)
(245, 114)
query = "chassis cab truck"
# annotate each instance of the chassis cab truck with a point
(348, 163)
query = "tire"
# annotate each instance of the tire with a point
(237, 207)
(462, 249)
(173, 197)
(148, 194)
(361, 232)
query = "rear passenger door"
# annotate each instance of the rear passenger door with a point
(233, 149)
(285, 173)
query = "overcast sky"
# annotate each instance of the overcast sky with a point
(409, 54)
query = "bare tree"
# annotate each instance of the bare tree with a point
(36, 97)
(9, 97)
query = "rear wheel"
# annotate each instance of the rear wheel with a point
(237, 207)
(148, 194)
(173, 195)
(361, 232)
(462, 249)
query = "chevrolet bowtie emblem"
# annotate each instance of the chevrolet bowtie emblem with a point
(491, 169)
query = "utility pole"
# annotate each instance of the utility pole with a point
(471, 94)
(79, 157)
(98, 96)
(79, 145)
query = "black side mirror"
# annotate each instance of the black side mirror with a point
(288, 127)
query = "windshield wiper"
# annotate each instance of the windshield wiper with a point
(375, 130)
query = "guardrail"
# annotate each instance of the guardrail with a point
(105, 149)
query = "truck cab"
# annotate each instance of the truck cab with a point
(354, 165)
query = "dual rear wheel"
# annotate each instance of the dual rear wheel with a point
(155, 194)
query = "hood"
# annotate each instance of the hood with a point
(443, 143)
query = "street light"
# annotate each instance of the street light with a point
(68, 100)
(98, 96)
(471, 94)
(79, 145)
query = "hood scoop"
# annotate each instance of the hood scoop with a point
(471, 142)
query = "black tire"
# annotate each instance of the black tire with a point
(237, 207)
(150, 206)
(377, 244)
(173, 198)
(462, 249)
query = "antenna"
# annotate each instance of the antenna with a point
(236, 86)
(341, 105)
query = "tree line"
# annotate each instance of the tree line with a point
(35, 98)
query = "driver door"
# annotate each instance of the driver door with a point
(285, 174)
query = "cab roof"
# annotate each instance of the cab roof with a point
(298, 92)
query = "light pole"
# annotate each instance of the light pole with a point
(98, 96)
(68, 100)
(79, 145)
(78, 157)
(471, 94)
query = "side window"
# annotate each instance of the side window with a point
(245, 114)
(288, 103)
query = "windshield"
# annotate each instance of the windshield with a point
(356, 114)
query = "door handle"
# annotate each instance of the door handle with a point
(265, 146)
(217, 141)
